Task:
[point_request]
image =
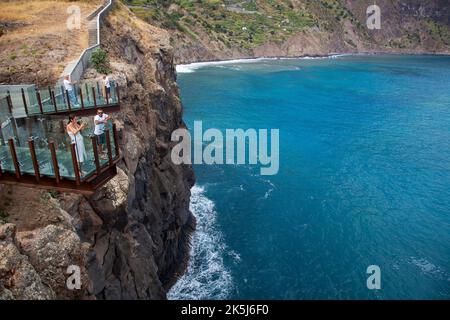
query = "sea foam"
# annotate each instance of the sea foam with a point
(206, 276)
(192, 67)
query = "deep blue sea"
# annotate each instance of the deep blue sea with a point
(364, 180)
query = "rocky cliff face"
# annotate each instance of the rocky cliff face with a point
(130, 238)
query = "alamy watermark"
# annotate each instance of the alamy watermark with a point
(236, 147)
(73, 282)
(73, 22)
(374, 280)
(373, 21)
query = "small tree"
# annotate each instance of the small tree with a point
(100, 61)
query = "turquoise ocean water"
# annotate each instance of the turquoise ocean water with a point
(364, 180)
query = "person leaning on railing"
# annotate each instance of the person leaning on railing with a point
(68, 85)
(106, 87)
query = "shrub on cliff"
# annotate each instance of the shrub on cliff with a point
(100, 61)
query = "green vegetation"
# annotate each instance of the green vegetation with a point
(100, 61)
(244, 24)
(437, 31)
(54, 194)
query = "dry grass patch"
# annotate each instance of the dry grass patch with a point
(35, 43)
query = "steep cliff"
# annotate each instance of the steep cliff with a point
(130, 238)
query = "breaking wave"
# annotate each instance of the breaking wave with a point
(206, 276)
(191, 67)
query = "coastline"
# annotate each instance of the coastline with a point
(192, 66)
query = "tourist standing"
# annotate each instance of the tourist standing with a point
(100, 121)
(74, 130)
(106, 87)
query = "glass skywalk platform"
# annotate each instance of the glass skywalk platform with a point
(36, 151)
(28, 100)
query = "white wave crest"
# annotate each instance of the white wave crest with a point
(206, 276)
(191, 67)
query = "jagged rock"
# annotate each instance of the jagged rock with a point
(18, 278)
(112, 198)
(51, 250)
(85, 220)
(8, 232)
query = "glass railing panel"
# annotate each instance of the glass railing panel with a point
(4, 108)
(112, 142)
(30, 96)
(6, 159)
(47, 102)
(88, 98)
(23, 130)
(60, 98)
(89, 166)
(75, 103)
(24, 160)
(44, 157)
(113, 93)
(7, 130)
(65, 164)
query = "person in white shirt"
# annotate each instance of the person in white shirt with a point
(106, 87)
(68, 85)
(100, 121)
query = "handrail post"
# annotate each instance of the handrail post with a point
(116, 140)
(107, 95)
(45, 125)
(2, 138)
(15, 131)
(117, 93)
(38, 96)
(12, 149)
(51, 146)
(87, 91)
(54, 100)
(62, 94)
(68, 100)
(10, 105)
(94, 139)
(93, 95)
(76, 168)
(108, 147)
(24, 101)
(34, 159)
(81, 98)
